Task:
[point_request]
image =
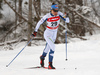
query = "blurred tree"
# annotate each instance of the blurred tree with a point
(1, 8)
(1, 4)
(30, 20)
(20, 10)
(37, 6)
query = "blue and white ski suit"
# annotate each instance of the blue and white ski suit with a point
(50, 33)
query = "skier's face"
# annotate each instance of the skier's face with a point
(55, 12)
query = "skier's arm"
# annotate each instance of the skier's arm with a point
(38, 25)
(40, 22)
(66, 19)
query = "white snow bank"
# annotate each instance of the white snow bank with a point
(83, 59)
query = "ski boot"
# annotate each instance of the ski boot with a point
(51, 66)
(42, 61)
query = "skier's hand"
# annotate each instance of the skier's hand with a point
(34, 34)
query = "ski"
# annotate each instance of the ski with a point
(37, 67)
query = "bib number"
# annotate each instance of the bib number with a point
(53, 24)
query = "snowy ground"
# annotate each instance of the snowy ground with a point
(83, 59)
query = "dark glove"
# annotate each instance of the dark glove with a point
(66, 15)
(34, 34)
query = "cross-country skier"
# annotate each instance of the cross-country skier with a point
(50, 34)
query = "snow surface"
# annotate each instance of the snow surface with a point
(83, 59)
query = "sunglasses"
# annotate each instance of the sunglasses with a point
(55, 10)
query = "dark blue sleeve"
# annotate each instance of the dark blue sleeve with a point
(62, 18)
(45, 20)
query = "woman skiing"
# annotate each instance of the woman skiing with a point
(50, 34)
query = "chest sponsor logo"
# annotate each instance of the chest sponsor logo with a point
(52, 19)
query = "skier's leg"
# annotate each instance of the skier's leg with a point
(49, 45)
(47, 48)
(42, 57)
(50, 42)
(51, 54)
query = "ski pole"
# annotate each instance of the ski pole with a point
(66, 15)
(18, 53)
(66, 41)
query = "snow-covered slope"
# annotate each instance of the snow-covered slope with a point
(83, 59)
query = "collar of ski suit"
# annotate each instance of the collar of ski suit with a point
(51, 14)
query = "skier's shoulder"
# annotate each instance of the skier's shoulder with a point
(60, 13)
(46, 15)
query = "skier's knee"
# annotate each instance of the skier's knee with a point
(51, 53)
